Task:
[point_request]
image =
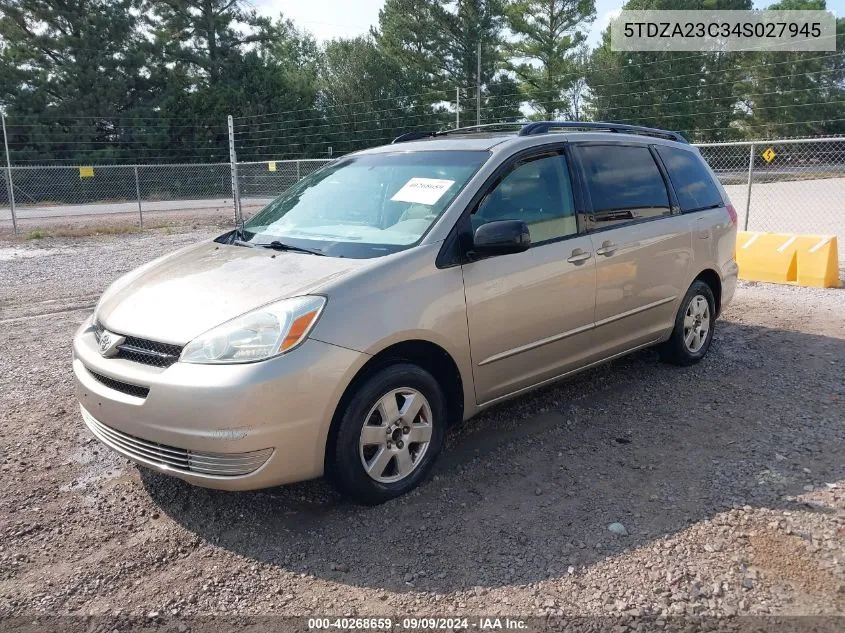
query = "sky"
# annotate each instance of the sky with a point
(328, 19)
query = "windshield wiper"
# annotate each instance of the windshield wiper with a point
(279, 246)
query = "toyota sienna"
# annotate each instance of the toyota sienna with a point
(400, 289)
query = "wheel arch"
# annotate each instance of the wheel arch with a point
(426, 354)
(712, 279)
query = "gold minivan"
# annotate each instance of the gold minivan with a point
(401, 289)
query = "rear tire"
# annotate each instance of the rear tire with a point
(694, 326)
(389, 434)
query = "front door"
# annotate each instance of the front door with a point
(531, 314)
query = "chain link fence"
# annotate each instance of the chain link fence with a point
(788, 185)
(261, 182)
(61, 192)
(4, 190)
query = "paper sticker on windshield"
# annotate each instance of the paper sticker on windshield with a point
(422, 190)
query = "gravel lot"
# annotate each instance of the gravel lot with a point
(728, 477)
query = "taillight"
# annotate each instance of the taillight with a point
(732, 213)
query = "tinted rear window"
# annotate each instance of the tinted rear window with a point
(690, 179)
(625, 184)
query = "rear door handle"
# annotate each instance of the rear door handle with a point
(607, 248)
(579, 256)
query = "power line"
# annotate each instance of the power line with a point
(209, 127)
(471, 89)
(670, 89)
(357, 139)
(297, 133)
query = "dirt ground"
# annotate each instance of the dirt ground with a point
(728, 477)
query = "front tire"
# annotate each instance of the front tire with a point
(694, 326)
(389, 434)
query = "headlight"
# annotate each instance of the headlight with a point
(268, 331)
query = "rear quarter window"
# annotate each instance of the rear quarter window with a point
(692, 182)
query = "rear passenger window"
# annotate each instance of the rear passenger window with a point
(624, 183)
(691, 180)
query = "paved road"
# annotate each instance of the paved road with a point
(801, 206)
(766, 172)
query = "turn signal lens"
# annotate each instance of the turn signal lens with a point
(297, 330)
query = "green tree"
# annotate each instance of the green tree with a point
(214, 58)
(690, 92)
(409, 36)
(202, 35)
(365, 98)
(73, 77)
(578, 92)
(502, 100)
(794, 93)
(437, 43)
(547, 34)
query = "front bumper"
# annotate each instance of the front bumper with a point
(233, 427)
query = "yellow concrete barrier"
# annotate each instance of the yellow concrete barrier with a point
(818, 261)
(787, 258)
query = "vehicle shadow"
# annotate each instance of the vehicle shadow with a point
(526, 490)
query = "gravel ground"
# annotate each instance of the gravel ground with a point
(728, 478)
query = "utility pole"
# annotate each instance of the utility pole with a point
(478, 88)
(457, 107)
(233, 168)
(9, 170)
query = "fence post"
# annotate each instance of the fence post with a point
(233, 167)
(138, 196)
(298, 172)
(9, 172)
(750, 178)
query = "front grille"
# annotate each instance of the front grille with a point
(149, 352)
(141, 350)
(123, 387)
(173, 458)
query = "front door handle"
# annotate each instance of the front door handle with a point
(607, 248)
(579, 256)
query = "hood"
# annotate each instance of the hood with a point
(176, 298)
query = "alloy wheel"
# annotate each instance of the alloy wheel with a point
(395, 435)
(696, 324)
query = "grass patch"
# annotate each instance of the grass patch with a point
(89, 231)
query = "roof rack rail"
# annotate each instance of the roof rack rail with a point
(414, 136)
(543, 127)
(468, 129)
(530, 128)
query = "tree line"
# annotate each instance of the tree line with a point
(111, 81)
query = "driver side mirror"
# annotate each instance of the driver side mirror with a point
(501, 237)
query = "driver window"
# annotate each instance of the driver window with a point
(538, 192)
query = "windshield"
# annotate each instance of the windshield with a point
(368, 205)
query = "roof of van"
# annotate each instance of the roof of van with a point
(506, 141)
